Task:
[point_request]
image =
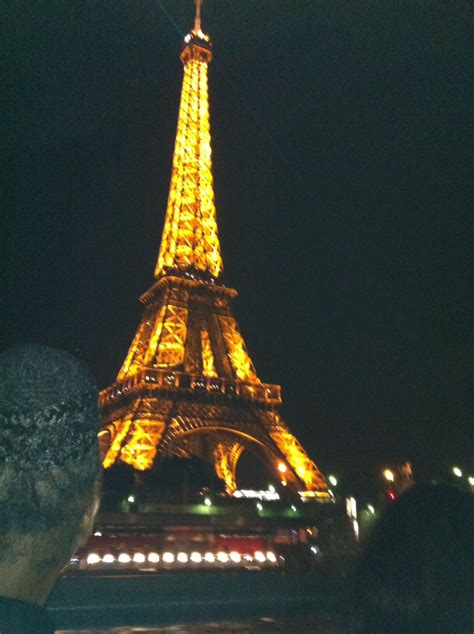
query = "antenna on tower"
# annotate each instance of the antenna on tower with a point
(197, 19)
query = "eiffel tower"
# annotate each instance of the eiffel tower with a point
(187, 386)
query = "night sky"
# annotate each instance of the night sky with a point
(341, 151)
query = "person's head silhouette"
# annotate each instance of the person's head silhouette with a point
(49, 467)
(416, 573)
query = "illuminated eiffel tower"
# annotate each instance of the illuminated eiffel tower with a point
(188, 386)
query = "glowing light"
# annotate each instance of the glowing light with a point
(271, 557)
(153, 558)
(168, 558)
(391, 495)
(124, 558)
(93, 558)
(457, 472)
(471, 480)
(97, 534)
(271, 488)
(182, 558)
(108, 559)
(260, 495)
(222, 557)
(259, 556)
(388, 475)
(235, 556)
(139, 558)
(333, 480)
(282, 467)
(131, 499)
(209, 558)
(356, 529)
(371, 508)
(207, 502)
(351, 508)
(259, 506)
(196, 557)
(293, 507)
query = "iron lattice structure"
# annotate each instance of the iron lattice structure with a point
(188, 386)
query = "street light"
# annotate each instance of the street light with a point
(371, 508)
(333, 480)
(388, 475)
(457, 472)
(207, 502)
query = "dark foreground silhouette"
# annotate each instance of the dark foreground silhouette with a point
(416, 573)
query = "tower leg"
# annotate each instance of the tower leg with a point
(135, 438)
(295, 456)
(226, 456)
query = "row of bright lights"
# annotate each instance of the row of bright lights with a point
(183, 558)
(390, 476)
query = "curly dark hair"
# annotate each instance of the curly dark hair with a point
(49, 418)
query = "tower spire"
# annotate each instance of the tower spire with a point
(190, 240)
(197, 19)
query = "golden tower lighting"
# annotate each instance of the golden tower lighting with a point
(188, 386)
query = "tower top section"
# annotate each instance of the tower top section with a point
(190, 243)
(197, 43)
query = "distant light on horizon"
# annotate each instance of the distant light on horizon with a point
(388, 475)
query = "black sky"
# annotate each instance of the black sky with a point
(341, 151)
